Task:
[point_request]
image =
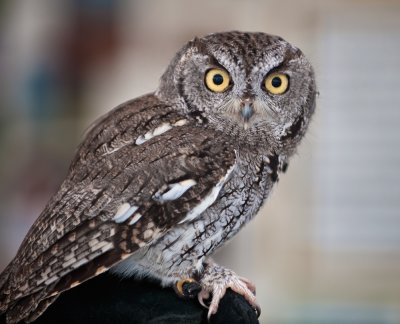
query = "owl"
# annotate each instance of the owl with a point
(162, 181)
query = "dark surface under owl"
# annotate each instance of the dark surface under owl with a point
(109, 300)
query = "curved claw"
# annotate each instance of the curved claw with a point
(258, 310)
(203, 295)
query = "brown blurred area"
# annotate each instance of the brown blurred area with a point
(326, 247)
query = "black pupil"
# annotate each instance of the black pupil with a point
(276, 82)
(218, 79)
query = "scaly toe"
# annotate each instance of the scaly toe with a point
(241, 287)
(216, 298)
(249, 284)
(216, 279)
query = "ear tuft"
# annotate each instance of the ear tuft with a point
(198, 44)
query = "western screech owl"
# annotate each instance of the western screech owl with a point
(162, 181)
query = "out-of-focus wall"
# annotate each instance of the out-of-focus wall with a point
(326, 247)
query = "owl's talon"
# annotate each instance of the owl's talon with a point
(216, 298)
(187, 288)
(258, 310)
(203, 295)
(216, 280)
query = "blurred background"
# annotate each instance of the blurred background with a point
(326, 247)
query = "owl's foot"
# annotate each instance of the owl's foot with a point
(214, 282)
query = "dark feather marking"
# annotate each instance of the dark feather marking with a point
(167, 246)
(98, 197)
(293, 130)
(284, 167)
(198, 114)
(273, 164)
(210, 248)
(260, 172)
(186, 252)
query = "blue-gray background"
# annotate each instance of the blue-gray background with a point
(326, 247)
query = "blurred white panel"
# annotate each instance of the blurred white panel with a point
(358, 153)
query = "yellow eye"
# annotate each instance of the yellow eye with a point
(217, 80)
(276, 83)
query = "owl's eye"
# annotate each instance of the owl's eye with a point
(276, 83)
(217, 80)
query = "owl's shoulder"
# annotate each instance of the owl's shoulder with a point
(137, 113)
(124, 124)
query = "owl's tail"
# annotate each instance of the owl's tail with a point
(27, 308)
(4, 288)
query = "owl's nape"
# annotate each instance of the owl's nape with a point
(162, 181)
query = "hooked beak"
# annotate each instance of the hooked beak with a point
(247, 109)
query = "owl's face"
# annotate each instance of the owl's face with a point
(250, 85)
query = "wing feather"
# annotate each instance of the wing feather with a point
(76, 238)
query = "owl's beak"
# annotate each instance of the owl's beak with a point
(247, 109)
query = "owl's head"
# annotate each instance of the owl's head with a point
(253, 86)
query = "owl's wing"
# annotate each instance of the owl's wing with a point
(138, 173)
